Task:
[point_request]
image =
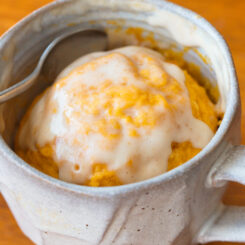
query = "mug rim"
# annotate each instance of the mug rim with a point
(232, 105)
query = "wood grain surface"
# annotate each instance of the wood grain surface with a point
(226, 15)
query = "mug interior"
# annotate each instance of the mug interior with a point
(21, 47)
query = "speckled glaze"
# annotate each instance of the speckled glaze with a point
(179, 207)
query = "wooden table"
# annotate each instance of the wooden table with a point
(226, 15)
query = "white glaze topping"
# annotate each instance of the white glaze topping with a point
(118, 107)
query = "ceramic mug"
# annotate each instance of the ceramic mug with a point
(182, 206)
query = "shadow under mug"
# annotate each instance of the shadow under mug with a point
(182, 206)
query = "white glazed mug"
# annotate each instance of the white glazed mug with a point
(182, 206)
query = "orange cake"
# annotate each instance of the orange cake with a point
(116, 117)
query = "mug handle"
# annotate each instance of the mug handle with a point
(228, 223)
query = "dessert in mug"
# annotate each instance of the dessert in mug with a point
(116, 117)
